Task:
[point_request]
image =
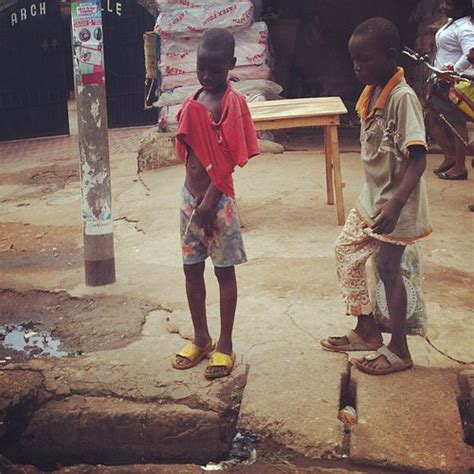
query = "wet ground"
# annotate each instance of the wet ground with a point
(40, 324)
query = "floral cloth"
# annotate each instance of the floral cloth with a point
(225, 246)
(355, 244)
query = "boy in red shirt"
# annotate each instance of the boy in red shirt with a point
(215, 133)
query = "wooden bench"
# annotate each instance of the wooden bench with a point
(313, 112)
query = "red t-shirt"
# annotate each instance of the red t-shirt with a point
(218, 146)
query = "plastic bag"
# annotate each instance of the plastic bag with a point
(239, 73)
(462, 96)
(166, 5)
(243, 452)
(185, 61)
(167, 121)
(194, 21)
(269, 89)
(256, 33)
(416, 309)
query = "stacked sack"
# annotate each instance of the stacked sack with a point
(180, 25)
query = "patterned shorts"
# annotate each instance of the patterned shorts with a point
(225, 246)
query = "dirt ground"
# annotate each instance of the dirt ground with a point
(117, 341)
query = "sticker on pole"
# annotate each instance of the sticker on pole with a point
(96, 201)
(87, 42)
(97, 221)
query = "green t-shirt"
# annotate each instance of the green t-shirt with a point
(395, 124)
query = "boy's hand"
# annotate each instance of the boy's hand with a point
(386, 218)
(206, 218)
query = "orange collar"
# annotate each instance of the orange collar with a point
(363, 103)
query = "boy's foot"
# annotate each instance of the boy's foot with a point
(220, 365)
(383, 361)
(191, 355)
(352, 342)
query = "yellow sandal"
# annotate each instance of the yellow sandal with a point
(194, 354)
(224, 362)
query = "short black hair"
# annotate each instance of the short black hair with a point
(381, 31)
(218, 40)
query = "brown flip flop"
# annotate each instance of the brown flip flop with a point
(396, 363)
(356, 343)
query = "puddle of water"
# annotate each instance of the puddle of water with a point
(30, 342)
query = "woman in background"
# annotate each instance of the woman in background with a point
(453, 42)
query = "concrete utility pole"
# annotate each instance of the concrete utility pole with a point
(89, 79)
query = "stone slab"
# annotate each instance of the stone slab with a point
(292, 400)
(466, 385)
(16, 390)
(102, 469)
(113, 431)
(122, 406)
(134, 469)
(411, 421)
(466, 402)
(19, 394)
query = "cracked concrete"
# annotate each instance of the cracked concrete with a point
(109, 396)
(288, 300)
(418, 408)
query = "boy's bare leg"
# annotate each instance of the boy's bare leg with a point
(228, 302)
(390, 258)
(196, 293)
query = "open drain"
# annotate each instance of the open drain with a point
(347, 408)
(466, 404)
(348, 398)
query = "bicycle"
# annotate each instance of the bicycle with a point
(458, 84)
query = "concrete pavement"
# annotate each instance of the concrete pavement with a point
(285, 388)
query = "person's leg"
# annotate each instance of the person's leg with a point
(390, 258)
(228, 303)
(353, 248)
(439, 134)
(459, 153)
(196, 293)
(226, 251)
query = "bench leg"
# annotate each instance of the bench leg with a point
(329, 178)
(333, 148)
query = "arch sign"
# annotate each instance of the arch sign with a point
(25, 13)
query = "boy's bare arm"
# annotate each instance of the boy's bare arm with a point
(388, 214)
(205, 207)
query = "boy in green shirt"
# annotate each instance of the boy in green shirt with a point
(392, 208)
